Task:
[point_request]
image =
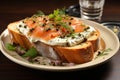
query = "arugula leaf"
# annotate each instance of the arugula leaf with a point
(31, 53)
(10, 47)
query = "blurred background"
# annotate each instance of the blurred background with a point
(12, 10)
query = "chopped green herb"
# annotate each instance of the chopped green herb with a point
(10, 47)
(51, 16)
(57, 14)
(62, 11)
(31, 53)
(104, 52)
(58, 18)
(65, 25)
(71, 35)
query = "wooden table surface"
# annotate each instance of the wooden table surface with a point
(14, 10)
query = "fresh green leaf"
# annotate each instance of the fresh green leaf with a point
(51, 16)
(62, 11)
(31, 53)
(59, 12)
(56, 12)
(10, 47)
(58, 18)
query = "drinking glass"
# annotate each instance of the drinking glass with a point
(91, 9)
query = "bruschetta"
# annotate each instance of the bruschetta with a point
(57, 36)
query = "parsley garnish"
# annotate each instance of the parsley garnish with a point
(32, 52)
(57, 14)
(10, 47)
(66, 26)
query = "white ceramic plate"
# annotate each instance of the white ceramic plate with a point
(111, 41)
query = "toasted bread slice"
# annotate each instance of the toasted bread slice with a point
(17, 37)
(94, 39)
(78, 54)
(81, 53)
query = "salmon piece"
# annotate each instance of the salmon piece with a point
(40, 32)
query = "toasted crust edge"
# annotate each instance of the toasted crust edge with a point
(17, 37)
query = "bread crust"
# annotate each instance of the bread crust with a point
(17, 37)
(78, 54)
(95, 40)
(81, 53)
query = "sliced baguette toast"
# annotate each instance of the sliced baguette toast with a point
(17, 37)
(94, 39)
(78, 54)
(81, 53)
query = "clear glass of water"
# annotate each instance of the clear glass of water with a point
(91, 9)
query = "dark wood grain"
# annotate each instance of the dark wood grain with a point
(14, 10)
